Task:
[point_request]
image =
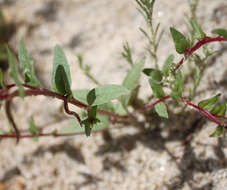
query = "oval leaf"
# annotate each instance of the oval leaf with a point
(104, 94)
(61, 78)
(155, 74)
(181, 43)
(161, 110)
(157, 89)
(221, 32)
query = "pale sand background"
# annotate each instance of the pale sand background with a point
(97, 29)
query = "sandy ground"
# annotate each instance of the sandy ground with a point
(123, 158)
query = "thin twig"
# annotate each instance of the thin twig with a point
(11, 120)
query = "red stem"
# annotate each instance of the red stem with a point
(199, 44)
(153, 104)
(66, 107)
(204, 112)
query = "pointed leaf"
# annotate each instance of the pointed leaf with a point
(181, 43)
(61, 78)
(178, 87)
(155, 74)
(131, 81)
(198, 32)
(104, 94)
(2, 84)
(161, 110)
(168, 65)
(33, 128)
(14, 72)
(220, 110)
(92, 112)
(221, 32)
(209, 104)
(27, 65)
(156, 88)
(81, 95)
(218, 132)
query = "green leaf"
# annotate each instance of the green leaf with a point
(209, 104)
(155, 74)
(88, 129)
(33, 128)
(61, 78)
(131, 81)
(198, 32)
(27, 66)
(104, 94)
(127, 53)
(156, 88)
(221, 32)
(161, 110)
(181, 43)
(168, 65)
(220, 110)
(218, 132)
(81, 95)
(178, 87)
(14, 72)
(74, 126)
(2, 84)
(92, 112)
(2, 132)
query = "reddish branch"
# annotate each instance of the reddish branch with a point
(199, 44)
(33, 91)
(153, 104)
(66, 107)
(205, 112)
